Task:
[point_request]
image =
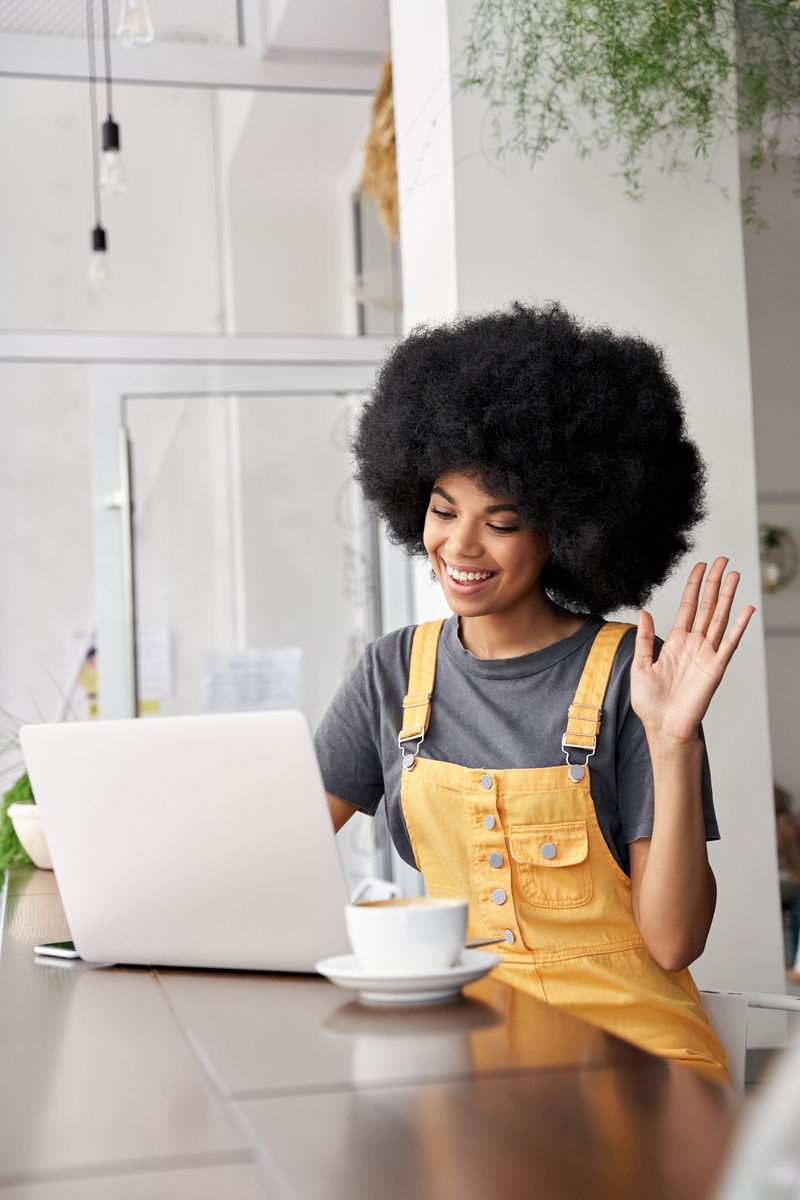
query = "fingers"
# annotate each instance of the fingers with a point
(691, 593)
(707, 613)
(734, 634)
(645, 640)
(722, 609)
(709, 616)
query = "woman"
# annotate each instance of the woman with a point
(544, 469)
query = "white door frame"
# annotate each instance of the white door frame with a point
(124, 366)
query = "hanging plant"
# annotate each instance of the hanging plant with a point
(663, 79)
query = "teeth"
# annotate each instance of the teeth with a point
(469, 576)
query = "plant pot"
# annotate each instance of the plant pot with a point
(28, 827)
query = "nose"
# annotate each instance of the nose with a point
(463, 542)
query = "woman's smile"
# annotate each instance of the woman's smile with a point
(465, 579)
(487, 562)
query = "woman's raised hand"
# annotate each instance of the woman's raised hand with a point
(672, 694)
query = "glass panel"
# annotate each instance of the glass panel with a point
(237, 216)
(249, 537)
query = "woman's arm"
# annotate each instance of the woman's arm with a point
(672, 885)
(341, 811)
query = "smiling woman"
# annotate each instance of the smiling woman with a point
(545, 471)
(584, 428)
(490, 566)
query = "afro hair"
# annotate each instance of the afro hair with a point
(583, 427)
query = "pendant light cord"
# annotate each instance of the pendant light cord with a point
(93, 106)
(107, 55)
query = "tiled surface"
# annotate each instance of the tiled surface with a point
(121, 1083)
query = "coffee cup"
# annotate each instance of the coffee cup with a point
(407, 935)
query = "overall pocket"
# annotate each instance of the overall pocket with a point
(553, 863)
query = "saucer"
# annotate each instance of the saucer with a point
(425, 987)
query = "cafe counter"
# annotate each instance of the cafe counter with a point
(120, 1083)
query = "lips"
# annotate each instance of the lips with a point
(466, 580)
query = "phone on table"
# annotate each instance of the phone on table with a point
(57, 949)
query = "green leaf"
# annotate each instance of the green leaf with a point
(656, 78)
(11, 852)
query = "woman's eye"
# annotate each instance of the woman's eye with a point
(505, 528)
(440, 512)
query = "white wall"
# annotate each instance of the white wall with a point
(161, 232)
(773, 294)
(289, 220)
(45, 536)
(671, 269)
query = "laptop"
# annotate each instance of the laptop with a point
(200, 841)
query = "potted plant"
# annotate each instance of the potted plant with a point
(647, 78)
(779, 555)
(22, 837)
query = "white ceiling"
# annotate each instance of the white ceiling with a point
(328, 26)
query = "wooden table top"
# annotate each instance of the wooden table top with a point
(120, 1083)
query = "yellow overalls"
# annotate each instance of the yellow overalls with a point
(525, 849)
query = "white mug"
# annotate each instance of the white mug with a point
(408, 935)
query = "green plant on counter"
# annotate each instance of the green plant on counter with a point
(648, 78)
(11, 851)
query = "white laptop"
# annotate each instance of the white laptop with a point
(191, 841)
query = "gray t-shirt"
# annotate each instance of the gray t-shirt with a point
(491, 714)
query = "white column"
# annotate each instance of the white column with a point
(477, 233)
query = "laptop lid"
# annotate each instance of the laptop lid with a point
(200, 841)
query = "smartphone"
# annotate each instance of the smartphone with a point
(57, 950)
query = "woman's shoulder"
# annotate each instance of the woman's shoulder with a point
(627, 646)
(386, 660)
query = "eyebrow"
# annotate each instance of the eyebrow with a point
(490, 508)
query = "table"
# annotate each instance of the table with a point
(120, 1083)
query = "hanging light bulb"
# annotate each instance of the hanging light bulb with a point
(99, 274)
(111, 177)
(135, 27)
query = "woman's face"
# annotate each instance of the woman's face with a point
(485, 560)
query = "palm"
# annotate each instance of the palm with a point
(671, 695)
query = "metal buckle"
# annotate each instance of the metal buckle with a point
(417, 703)
(577, 770)
(410, 757)
(566, 746)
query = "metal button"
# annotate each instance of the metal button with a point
(495, 860)
(509, 936)
(486, 781)
(576, 772)
(548, 850)
(488, 821)
(499, 896)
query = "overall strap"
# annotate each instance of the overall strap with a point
(417, 704)
(585, 712)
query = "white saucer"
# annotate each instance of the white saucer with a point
(428, 987)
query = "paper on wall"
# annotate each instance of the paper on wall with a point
(252, 680)
(153, 662)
